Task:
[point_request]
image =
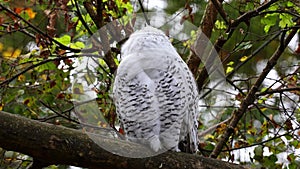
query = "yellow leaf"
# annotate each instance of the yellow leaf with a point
(244, 58)
(16, 53)
(1, 46)
(10, 53)
(229, 69)
(30, 13)
(1, 106)
(208, 136)
(21, 78)
(263, 109)
(44, 76)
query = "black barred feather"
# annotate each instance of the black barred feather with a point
(155, 94)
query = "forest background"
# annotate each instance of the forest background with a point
(252, 116)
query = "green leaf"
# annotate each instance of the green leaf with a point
(209, 147)
(273, 7)
(258, 153)
(230, 63)
(129, 7)
(65, 39)
(46, 66)
(269, 20)
(295, 143)
(293, 166)
(230, 68)
(264, 89)
(220, 24)
(267, 28)
(77, 45)
(290, 4)
(269, 161)
(285, 20)
(250, 6)
(262, 100)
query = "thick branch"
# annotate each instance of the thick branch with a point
(204, 33)
(220, 9)
(248, 15)
(97, 17)
(60, 145)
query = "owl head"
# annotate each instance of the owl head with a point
(146, 39)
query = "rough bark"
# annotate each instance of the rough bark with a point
(205, 30)
(61, 145)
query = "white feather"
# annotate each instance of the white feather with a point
(155, 94)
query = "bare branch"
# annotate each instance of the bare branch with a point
(249, 99)
(272, 91)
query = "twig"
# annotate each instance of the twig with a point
(246, 16)
(39, 64)
(210, 129)
(249, 99)
(39, 31)
(272, 91)
(220, 9)
(145, 16)
(59, 114)
(81, 18)
(259, 143)
(254, 53)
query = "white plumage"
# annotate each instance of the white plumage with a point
(155, 94)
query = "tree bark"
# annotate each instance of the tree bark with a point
(60, 145)
(204, 33)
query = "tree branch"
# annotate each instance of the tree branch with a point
(204, 32)
(97, 18)
(272, 91)
(248, 15)
(207, 26)
(36, 29)
(250, 98)
(80, 17)
(61, 145)
(221, 11)
(7, 81)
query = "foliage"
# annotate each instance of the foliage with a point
(42, 43)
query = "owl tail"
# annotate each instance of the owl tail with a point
(189, 144)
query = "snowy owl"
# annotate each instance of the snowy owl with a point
(155, 94)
